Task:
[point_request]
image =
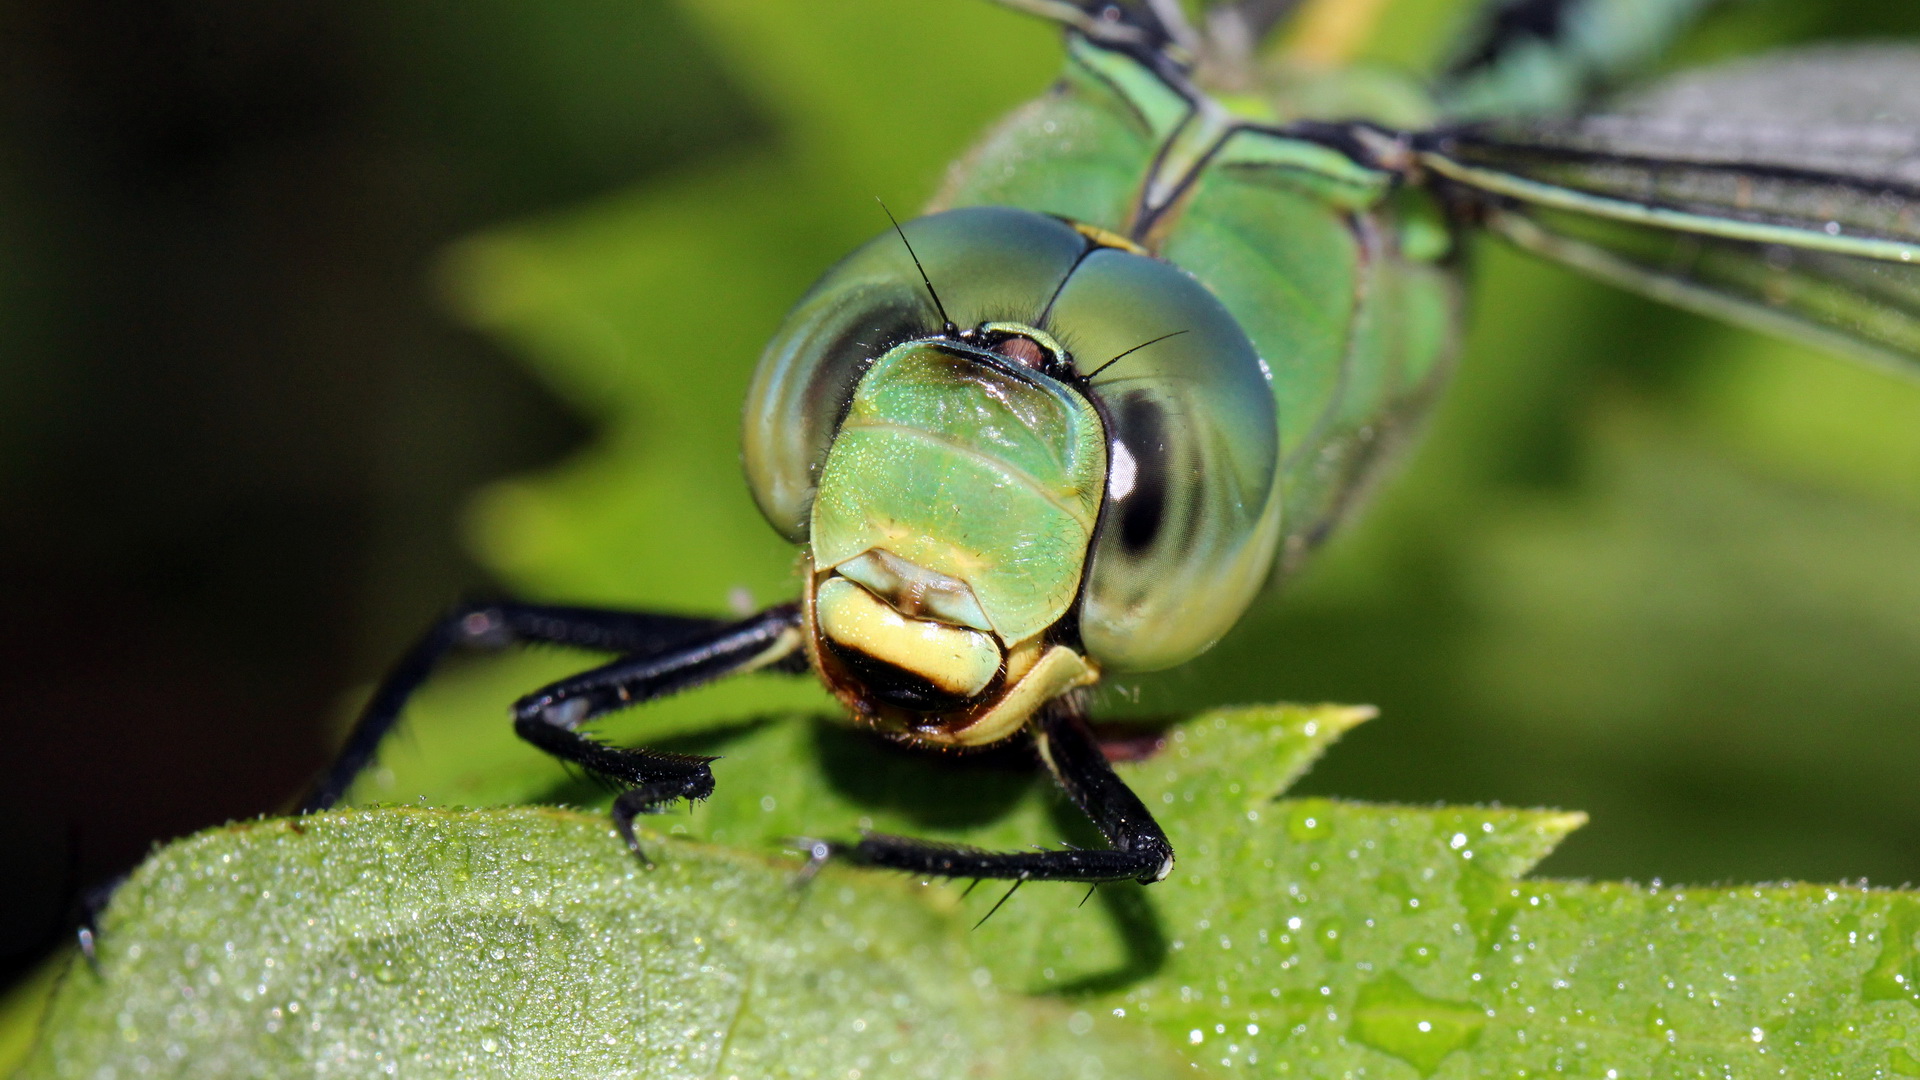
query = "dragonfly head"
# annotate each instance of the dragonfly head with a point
(1066, 463)
(949, 534)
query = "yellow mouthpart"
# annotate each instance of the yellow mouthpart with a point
(959, 661)
(1057, 671)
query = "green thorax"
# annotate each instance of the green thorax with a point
(1341, 280)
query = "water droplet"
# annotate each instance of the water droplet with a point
(1392, 1017)
(1490, 902)
(1328, 935)
(1310, 821)
(1657, 1025)
(1394, 885)
(1895, 975)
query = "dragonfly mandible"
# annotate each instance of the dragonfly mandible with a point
(1157, 332)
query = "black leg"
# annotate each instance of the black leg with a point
(550, 718)
(707, 654)
(1140, 850)
(660, 638)
(657, 777)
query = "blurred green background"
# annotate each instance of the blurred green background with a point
(318, 315)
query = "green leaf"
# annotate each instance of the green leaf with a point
(527, 942)
(1296, 937)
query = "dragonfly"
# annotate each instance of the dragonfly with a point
(1161, 329)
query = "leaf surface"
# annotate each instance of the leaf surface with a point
(527, 942)
(1306, 937)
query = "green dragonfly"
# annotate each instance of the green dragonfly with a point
(1159, 329)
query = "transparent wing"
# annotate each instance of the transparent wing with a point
(1823, 141)
(1535, 57)
(1865, 308)
(1782, 192)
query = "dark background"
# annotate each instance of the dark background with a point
(235, 428)
(237, 434)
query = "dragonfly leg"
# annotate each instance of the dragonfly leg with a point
(659, 639)
(658, 778)
(1140, 849)
(550, 718)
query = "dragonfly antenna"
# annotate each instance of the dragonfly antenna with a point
(948, 324)
(1129, 352)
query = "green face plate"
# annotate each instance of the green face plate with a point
(961, 465)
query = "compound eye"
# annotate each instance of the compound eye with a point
(988, 263)
(1192, 513)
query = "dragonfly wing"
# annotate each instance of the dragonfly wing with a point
(1815, 148)
(1865, 308)
(1783, 191)
(1529, 57)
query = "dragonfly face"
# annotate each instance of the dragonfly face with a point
(953, 516)
(993, 516)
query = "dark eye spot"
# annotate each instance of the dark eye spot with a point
(1143, 430)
